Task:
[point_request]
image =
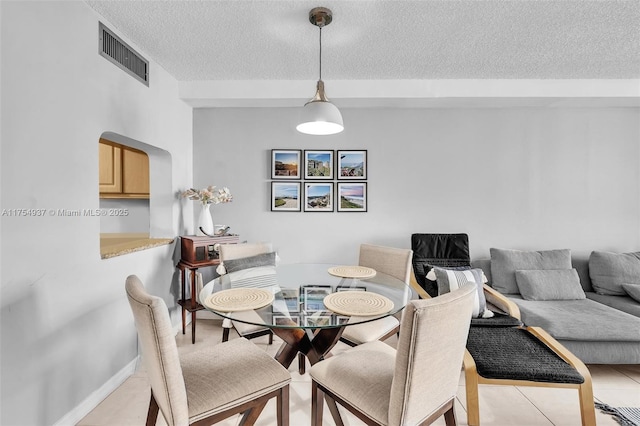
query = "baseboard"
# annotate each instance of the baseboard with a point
(92, 401)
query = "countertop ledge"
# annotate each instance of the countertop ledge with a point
(121, 244)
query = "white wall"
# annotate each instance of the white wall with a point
(134, 217)
(521, 178)
(65, 322)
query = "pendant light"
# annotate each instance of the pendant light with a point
(319, 116)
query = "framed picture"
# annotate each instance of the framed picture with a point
(291, 297)
(313, 296)
(340, 320)
(285, 163)
(286, 320)
(318, 164)
(318, 197)
(352, 197)
(317, 320)
(285, 196)
(352, 164)
(349, 288)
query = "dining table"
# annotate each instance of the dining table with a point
(307, 305)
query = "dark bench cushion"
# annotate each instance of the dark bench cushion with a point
(515, 354)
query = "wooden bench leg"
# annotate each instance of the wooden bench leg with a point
(471, 386)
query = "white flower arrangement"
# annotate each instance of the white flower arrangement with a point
(209, 195)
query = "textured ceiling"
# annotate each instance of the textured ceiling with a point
(380, 40)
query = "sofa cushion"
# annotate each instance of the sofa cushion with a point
(633, 290)
(451, 279)
(262, 259)
(608, 271)
(504, 264)
(621, 303)
(584, 320)
(549, 284)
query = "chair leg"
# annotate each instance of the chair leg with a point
(333, 409)
(471, 385)
(587, 407)
(225, 334)
(270, 337)
(450, 416)
(283, 406)
(302, 364)
(152, 414)
(317, 404)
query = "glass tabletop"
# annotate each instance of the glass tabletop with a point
(298, 295)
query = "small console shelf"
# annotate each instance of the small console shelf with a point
(197, 252)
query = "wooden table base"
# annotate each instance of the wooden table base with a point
(315, 345)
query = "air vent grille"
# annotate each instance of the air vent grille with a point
(119, 53)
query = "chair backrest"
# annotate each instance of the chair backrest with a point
(388, 260)
(433, 337)
(238, 251)
(431, 250)
(159, 352)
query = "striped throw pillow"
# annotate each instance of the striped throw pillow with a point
(449, 280)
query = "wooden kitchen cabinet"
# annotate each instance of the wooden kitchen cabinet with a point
(124, 171)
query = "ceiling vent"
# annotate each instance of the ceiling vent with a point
(118, 52)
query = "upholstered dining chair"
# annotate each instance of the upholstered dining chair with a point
(208, 385)
(413, 385)
(248, 331)
(391, 261)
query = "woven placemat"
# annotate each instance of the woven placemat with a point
(352, 271)
(361, 303)
(239, 299)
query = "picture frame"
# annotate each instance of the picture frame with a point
(350, 288)
(352, 164)
(291, 298)
(319, 164)
(284, 320)
(313, 296)
(318, 320)
(351, 197)
(318, 197)
(286, 196)
(285, 164)
(341, 320)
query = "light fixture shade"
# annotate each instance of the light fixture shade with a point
(320, 118)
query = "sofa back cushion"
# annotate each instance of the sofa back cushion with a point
(609, 271)
(549, 284)
(505, 263)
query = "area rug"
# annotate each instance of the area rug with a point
(626, 416)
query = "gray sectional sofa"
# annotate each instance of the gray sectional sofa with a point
(598, 328)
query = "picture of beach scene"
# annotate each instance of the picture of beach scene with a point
(318, 164)
(352, 197)
(285, 196)
(285, 164)
(318, 197)
(352, 164)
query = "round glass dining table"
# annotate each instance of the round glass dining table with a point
(297, 313)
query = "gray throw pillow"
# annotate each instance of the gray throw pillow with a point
(264, 259)
(633, 290)
(608, 271)
(550, 284)
(505, 263)
(450, 279)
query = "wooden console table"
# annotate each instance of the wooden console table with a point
(197, 252)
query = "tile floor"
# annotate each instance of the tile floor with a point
(616, 385)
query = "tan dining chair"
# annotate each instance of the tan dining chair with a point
(413, 385)
(246, 330)
(208, 385)
(391, 261)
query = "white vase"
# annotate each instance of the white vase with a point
(205, 221)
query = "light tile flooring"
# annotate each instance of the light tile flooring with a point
(616, 385)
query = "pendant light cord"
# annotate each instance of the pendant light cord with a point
(320, 53)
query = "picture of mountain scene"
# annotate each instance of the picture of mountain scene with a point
(352, 164)
(319, 164)
(286, 164)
